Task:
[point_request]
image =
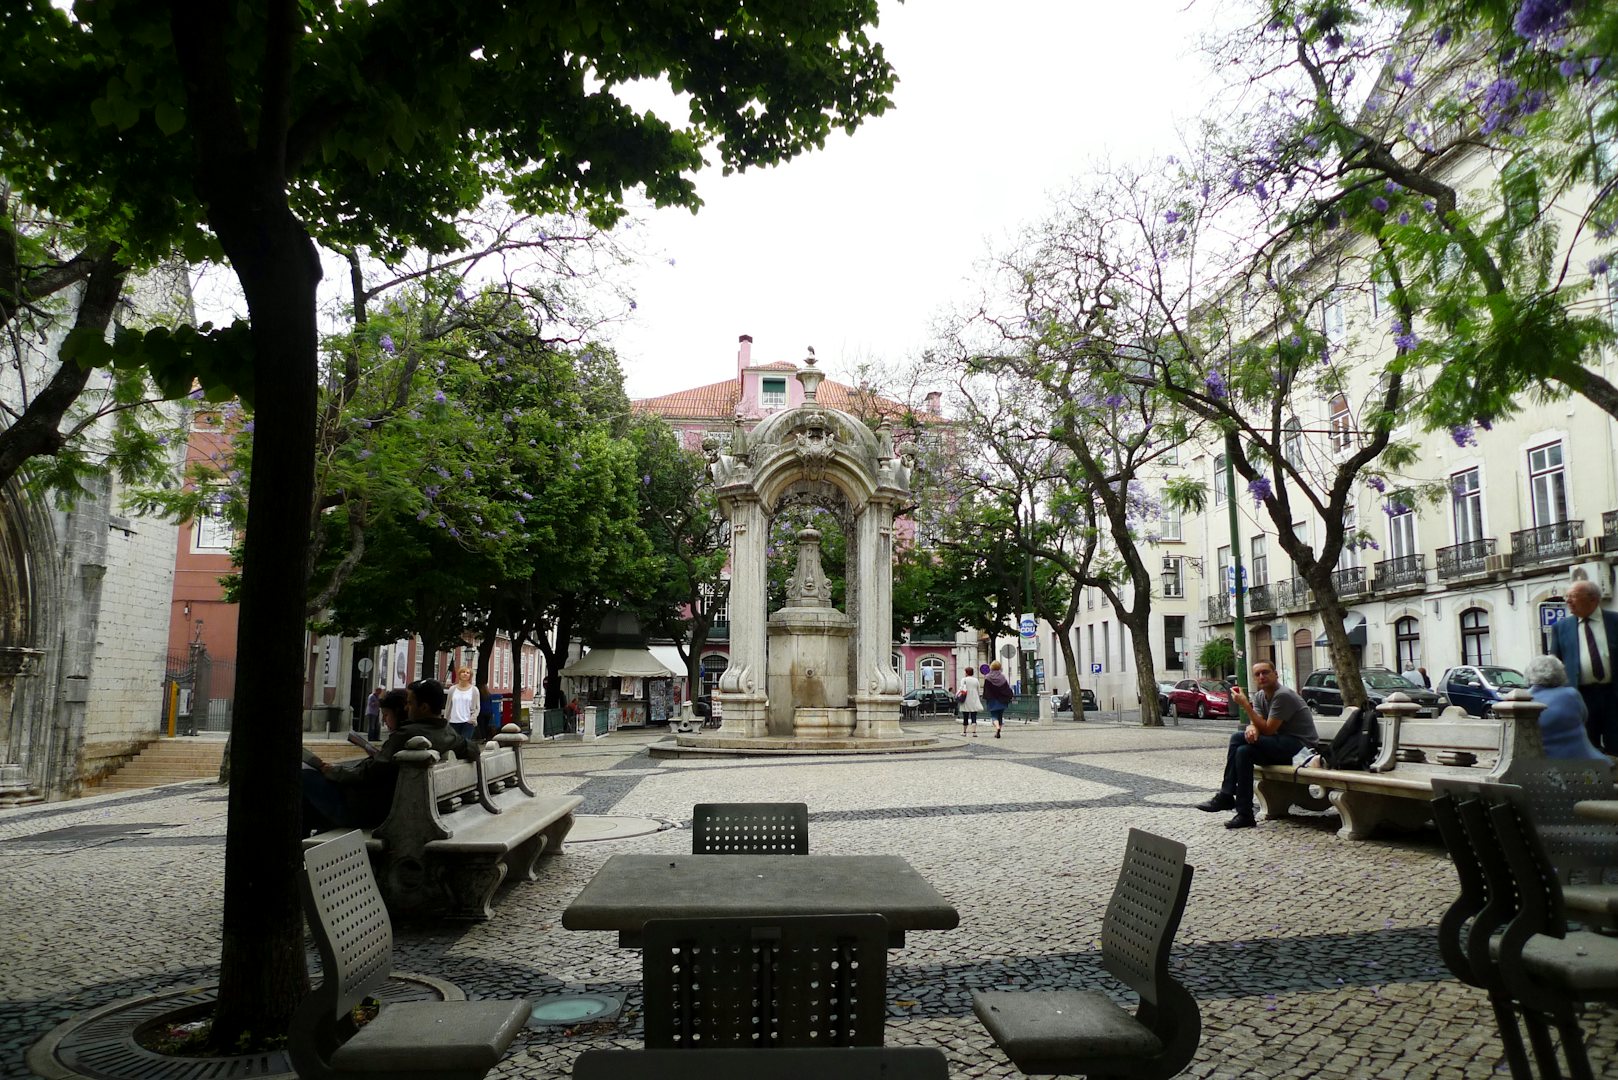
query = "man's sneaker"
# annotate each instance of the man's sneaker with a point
(1241, 821)
(1219, 802)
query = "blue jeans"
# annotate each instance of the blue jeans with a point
(325, 804)
(1241, 756)
(998, 715)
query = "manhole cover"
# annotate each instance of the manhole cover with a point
(97, 832)
(569, 1009)
(100, 1044)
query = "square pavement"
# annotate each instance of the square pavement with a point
(1310, 956)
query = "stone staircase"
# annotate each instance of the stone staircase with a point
(174, 761)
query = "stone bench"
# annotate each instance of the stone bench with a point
(458, 829)
(1398, 789)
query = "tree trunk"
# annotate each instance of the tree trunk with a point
(262, 976)
(1138, 623)
(1333, 613)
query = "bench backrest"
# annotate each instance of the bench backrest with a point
(813, 980)
(817, 1063)
(348, 920)
(750, 829)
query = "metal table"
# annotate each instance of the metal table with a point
(1598, 809)
(628, 890)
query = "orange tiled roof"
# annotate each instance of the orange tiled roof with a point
(717, 401)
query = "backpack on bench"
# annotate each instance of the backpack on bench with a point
(1356, 744)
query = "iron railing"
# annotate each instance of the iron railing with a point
(1548, 543)
(1292, 594)
(1350, 581)
(1464, 560)
(1261, 598)
(1609, 529)
(1401, 572)
(1219, 608)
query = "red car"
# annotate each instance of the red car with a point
(1199, 697)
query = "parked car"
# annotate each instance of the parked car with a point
(1165, 687)
(1199, 697)
(1325, 696)
(1476, 688)
(929, 699)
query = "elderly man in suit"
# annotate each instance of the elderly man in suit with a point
(1586, 642)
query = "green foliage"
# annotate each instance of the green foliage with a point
(1217, 656)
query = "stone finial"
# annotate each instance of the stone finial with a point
(810, 378)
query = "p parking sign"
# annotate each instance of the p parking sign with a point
(1095, 669)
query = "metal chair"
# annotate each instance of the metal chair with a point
(844, 1063)
(429, 1040)
(813, 981)
(1082, 1031)
(750, 829)
(1474, 919)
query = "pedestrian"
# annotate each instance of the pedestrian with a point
(373, 715)
(1411, 674)
(1586, 641)
(971, 703)
(464, 704)
(1279, 724)
(1425, 681)
(998, 694)
(1562, 721)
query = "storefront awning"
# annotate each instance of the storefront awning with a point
(1354, 623)
(617, 663)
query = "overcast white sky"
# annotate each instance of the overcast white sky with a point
(853, 249)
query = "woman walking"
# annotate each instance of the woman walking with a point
(971, 703)
(999, 694)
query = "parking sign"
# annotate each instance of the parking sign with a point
(1095, 669)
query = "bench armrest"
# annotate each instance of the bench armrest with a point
(511, 737)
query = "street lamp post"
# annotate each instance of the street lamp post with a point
(1238, 583)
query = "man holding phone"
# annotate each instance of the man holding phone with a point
(1279, 724)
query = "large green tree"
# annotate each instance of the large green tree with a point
(216, 127)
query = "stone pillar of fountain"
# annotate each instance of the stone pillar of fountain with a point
(808, 659)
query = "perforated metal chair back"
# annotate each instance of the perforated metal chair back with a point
(1550, 787)
(1469, 869)
(750, 829)
(841, 1063)
(815, 980)
(350, 924)
(1144, 913)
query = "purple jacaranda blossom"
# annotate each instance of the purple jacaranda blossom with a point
(363, 454)
(646, 479)
(1393, 508)
(1171, 216)
(1496, 102)
(466, 474)
(1404, 217)
(1334, 40)
(1379, 204)
(524, 496)
(1294, 341)
(1429, 205)
(422, 516)
(1441, 36)
(1568, 68)
(632, 305)
(477, 519)
(195, 395)
(438, 396)
(442, 472)
(1377, 484)
(1260, 489)
(517, 514)
(1238, 183)
(1407, 77)
(1392, 187)
(432, 491)
(456, 533)
(1485, 423)
(460, 293)
(162, 440)
(1261, 191)
(1538, 18)
(1404, 340)
(1463, 436)
(248, 427)
(1215, 382)
(1599, 266)
(1114, 400)
(386, 341)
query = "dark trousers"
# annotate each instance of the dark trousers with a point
(1602, 723)
(1241, 756)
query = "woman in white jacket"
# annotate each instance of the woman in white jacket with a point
(971, 703)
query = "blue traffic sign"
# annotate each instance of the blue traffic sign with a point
(1095, 669)
(1551, 614)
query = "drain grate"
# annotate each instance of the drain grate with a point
(100, 1045)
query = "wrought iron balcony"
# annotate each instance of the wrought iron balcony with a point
(1402, 572)
(1464, 560)
(1219, 608)
(1292, 594)
(1350, 581)
(1548, 543)
(1261, 598)
(1609, 529)
(719, 631)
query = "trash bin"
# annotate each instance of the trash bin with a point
(493, 709)
(508, 710)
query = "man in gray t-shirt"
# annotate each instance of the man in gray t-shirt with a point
(1279, 724)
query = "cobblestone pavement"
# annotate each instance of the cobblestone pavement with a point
(1311, 957)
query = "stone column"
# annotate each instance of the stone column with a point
(15, 664)
(877, 689)
(742, 694)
